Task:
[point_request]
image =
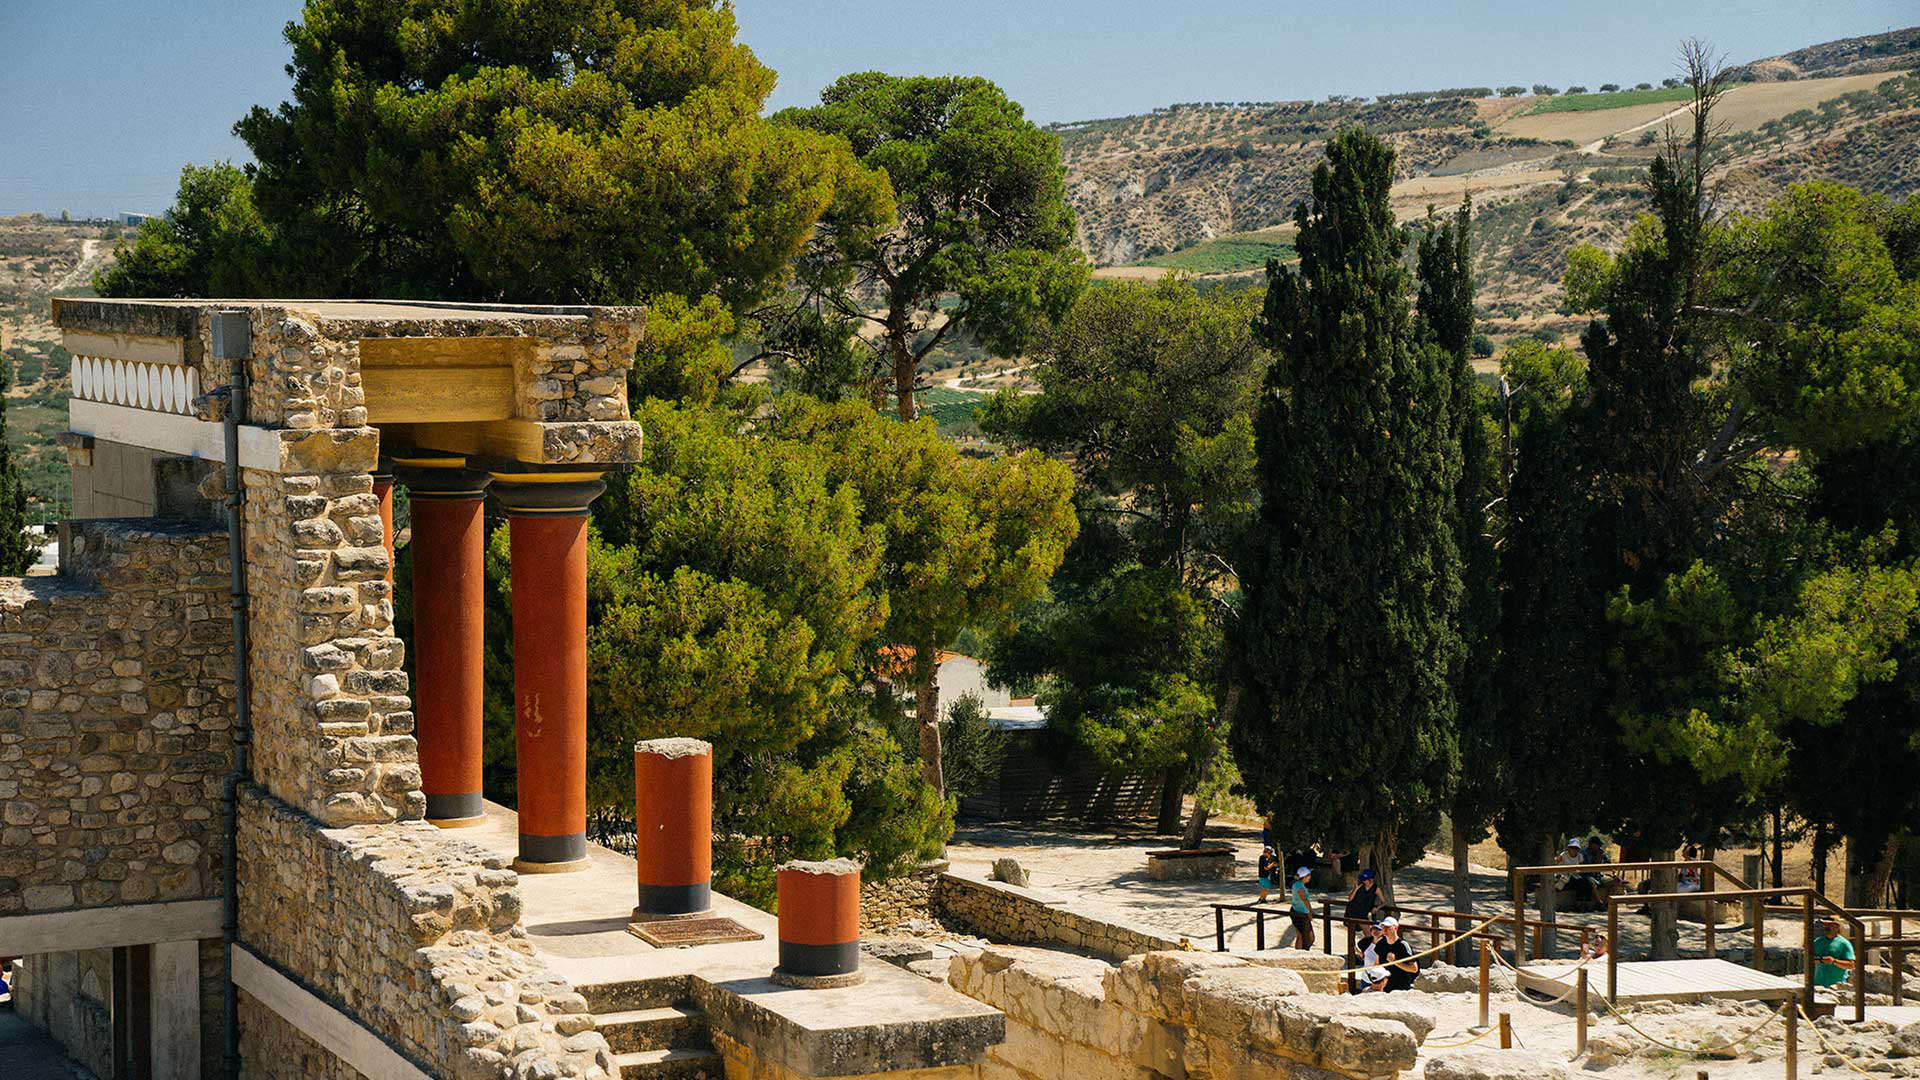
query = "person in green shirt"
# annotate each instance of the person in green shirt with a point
(1833, 954)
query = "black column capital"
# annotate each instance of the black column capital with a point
(547, 494)
(441, 477)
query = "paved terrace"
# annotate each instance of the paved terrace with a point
(894, 1020)
(1105, 870)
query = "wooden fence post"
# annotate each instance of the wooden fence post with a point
(1580, 1013)
(1483, 983)
(1506, 1031)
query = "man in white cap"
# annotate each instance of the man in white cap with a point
(1300, 908)
(1393, 954)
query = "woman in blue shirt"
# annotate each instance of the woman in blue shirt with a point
(1300, 907)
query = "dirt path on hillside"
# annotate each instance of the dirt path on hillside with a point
(82, 270)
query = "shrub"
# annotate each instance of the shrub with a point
(1543, 90)
(1482, 345)
(1609, 87)
(1576, 89)
(971, 751)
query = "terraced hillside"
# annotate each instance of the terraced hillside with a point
(1200, 188)
(41, 258)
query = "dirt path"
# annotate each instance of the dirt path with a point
(82, 270)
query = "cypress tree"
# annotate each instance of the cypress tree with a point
(17, 549)
(1445, 311)
(1349, 641)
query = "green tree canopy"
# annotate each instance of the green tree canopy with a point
(967, 541)
(1148, 391)
(212, 243)
(17, 550)
(984, 240)
(1350, 640)
(542, 150)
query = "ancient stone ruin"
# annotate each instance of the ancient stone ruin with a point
(300, 822)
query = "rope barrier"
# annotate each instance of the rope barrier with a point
(1636, 1029)
(1822, 1040)
(1456, 1045)
(1413, 957)
(1564, 996)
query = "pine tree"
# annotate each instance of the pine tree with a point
(1349, 639)
(17, 550)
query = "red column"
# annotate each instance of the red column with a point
(449, 636)
(673, 827)
(547, 523)
(383, 490)
(819, 924)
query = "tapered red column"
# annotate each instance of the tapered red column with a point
(449, 639)
(383, 491)
(547, 523)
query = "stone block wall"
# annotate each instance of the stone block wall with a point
(116, 686)
(1200, 1016)
(887, 903)
(1007, 913)
(332, 722)
(415, 933)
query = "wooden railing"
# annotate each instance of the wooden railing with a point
(1711, 875)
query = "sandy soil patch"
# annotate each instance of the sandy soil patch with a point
(1583, 127)
(1747, 107)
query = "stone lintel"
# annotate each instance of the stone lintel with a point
(110, 927)
(275, 450)
(340, 1034)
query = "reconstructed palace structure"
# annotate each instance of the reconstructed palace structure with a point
(238, 836)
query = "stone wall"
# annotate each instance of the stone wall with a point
(69, 996)
(1007, 913)
(115, 720)
(1199, 1016)
(332, 723)
(886, 904)
(414, 932)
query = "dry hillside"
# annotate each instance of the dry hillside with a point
(1192, 187)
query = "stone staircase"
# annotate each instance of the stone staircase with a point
(655, 1031)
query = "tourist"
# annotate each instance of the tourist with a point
(1594, 950)
(1395, 954)
(1300, 905)
(1581, 885)
(1269, 869)
(1373, 981)
(1833, 953)
(1689, 880)
(1362, 945)
(1596, 851)
(1364, 902)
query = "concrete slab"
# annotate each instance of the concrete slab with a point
(895, 1020)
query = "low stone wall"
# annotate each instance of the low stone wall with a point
(888, 903)
(415, 933)
(1199, 1016)
(1007, 913)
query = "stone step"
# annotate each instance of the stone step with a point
(678, 1064)
(635, 994)
(665, 1028)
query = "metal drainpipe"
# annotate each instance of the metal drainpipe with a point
(232, 341)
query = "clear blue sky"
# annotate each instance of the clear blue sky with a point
(102, 101)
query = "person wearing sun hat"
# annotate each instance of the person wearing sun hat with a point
(1300, 907)
(1394, 955)
(1833, 954)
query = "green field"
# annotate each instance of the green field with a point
(1223, 256)
(1617, 100)
(952, 410)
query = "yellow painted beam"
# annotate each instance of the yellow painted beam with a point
(448, 352)
(422, 395)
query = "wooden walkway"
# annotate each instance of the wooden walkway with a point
(1664, 980)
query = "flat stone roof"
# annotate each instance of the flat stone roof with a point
(176, 318)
